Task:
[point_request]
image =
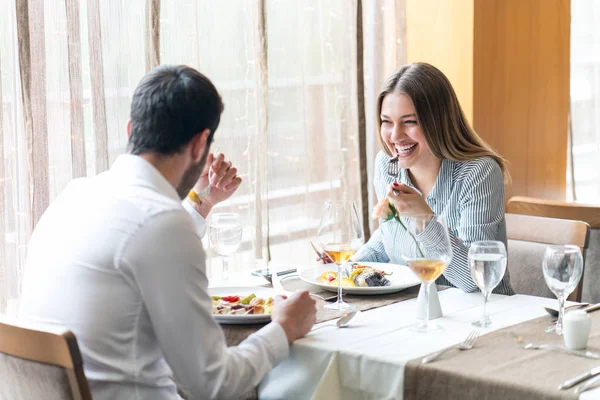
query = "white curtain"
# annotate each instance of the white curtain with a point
(585, 100)
(287, 71)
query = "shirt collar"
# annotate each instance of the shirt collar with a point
(137, 169)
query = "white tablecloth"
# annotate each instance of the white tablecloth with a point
(366, 360)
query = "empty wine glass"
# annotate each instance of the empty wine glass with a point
(340, 235)
(563, 267)
(427, 251)
(487, 260)
(225, 234)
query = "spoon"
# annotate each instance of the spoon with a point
(554, 312)
(342, 322)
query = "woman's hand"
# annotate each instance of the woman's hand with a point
(407, 200)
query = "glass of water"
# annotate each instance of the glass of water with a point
(563, 267)
(487, 260)
(225, 234)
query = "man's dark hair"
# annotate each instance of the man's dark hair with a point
(171, 105)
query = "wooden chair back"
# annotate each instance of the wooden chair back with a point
(528, 237)
(37, 364)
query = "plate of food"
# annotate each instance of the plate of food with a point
(365, 278)
(242, 305)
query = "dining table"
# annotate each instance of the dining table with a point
(378, 356)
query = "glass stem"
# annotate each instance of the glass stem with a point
(339, 276)
(225, 268)
(427, 289)
(561, 312)
(486, 317)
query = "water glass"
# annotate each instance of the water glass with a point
(225, 234)
(487, 260)
(563, 267)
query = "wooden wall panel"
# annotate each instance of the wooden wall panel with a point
(440, 32)
(521, 89)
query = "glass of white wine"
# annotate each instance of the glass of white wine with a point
(487, 260)
(225, 234)
(340, 235)
(427, 251)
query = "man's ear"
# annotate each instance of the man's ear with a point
(128, 128)
(198, 145)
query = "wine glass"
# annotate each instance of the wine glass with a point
(487, 260)
(225, 234)
(563, 267)
(427, 251)
(340, 235)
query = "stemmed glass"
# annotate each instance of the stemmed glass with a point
(340, 235)
(225, 234)
(563, 267)
(427, 251)
(487, 260)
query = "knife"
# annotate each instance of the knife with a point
(591, 308)
(321, 256)
(591, 384)
(580, 378)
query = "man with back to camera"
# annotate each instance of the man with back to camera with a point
(117, 259)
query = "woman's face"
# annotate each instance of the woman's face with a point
(401, 131)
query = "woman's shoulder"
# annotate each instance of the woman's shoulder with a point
(482, 167)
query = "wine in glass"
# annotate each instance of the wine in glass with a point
(427, 251)
(225, 234)
(340, 235)
(487, 260)
(563, 267)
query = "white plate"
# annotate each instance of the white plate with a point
(401, 278)
(263, 292)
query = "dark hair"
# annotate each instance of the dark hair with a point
(171, 105)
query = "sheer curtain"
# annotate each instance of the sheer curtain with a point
(289, 74)
(585, 100)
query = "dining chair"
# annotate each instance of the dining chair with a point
(564, 210)
(40, 365)
(528, 237)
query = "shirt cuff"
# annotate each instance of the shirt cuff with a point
(276, 340)
(199, 221)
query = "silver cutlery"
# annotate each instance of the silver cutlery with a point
(554, 312)
(591, 384)
(568, 384)
(467, 344)
(530, 346)
(342, 322)
(276, 283)
(321, 256)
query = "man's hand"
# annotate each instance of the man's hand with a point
(296, 314)
(222, 178)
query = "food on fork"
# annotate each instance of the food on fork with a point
(361, 276)
(234, 305)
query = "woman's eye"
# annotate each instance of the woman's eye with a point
(410, 122)
(385, 121)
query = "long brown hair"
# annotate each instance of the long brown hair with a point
(439, 114)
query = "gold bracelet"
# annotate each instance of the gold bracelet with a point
(194, 198)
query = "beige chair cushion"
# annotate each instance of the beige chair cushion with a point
(24, 380)
(525, 267)
(591, 283)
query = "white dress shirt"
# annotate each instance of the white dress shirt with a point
(118, 260)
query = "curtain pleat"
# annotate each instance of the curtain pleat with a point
(76, 89)
(97, 83)
(30, 27)
(4, 281)
(362, 127)
(260, 160)
(400, 25)
(152, 37)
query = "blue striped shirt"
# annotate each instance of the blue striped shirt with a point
(469, 194)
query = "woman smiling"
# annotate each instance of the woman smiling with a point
(445, 168)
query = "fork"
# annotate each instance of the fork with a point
(467, 344)
(530, 346)
(393, 168)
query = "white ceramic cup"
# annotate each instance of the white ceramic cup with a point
(576, 329)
